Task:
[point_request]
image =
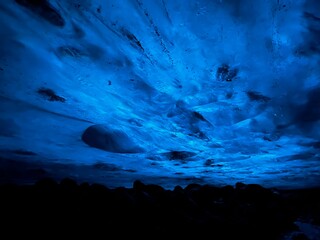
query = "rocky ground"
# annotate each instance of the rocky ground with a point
(148, 210)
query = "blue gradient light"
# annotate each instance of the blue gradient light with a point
(185, 91)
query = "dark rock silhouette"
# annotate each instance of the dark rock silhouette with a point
(240, 212)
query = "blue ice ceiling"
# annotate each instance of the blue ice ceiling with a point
(168, 92)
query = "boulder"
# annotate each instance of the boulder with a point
(108, 139)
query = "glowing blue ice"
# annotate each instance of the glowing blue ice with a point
(233, 82)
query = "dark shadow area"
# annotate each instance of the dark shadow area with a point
(43, 9)
(239, 212)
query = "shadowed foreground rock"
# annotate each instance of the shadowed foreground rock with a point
(240, 212)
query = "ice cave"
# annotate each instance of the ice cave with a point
(164, 92)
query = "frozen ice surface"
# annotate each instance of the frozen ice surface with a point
(190, 91)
